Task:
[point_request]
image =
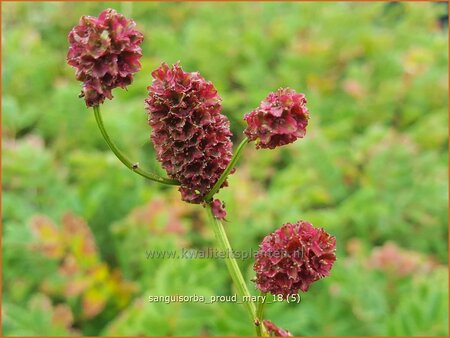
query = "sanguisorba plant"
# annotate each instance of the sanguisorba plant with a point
(192, 139)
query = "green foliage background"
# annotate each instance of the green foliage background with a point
(371, 170)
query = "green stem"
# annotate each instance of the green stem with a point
(260, 312)
(227, 170)
(133, 166)
(232, 265)
(260, 306)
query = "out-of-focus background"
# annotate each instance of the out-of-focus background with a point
(372, 170)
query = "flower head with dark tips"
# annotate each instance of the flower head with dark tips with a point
(190, 135)
(275, 330)
(105, 52)
(280, 119)
(293, 257)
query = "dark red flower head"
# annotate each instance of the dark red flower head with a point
(293, 257)
(280, 119)
(275, 330)
(190, 135)
(105, 51)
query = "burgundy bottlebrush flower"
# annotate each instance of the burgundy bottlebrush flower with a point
(275, 330)
(293, 257)
(105, 52)
(280, 119)
(190, 135)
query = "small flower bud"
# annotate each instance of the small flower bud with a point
(218, 209)
(275, 330)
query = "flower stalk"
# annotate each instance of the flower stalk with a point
(133, 166)
(260, 306)
(234, 270)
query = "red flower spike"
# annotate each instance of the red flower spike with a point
(105, 52)
(292, 258)
(190, 135)
(275, 330)
(280, 119)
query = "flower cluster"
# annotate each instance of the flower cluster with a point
(293, 257)
(190, 135)
(280, 119)
(192, 139)
(105, 52)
